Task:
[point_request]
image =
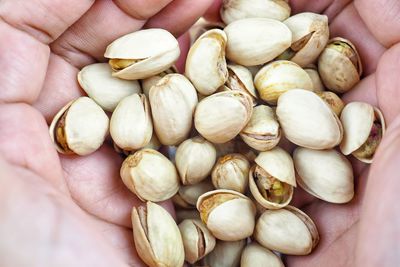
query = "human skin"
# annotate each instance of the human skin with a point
(74, 211)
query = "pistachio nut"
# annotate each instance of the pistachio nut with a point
(222, 116)
(333, 101)
(225, 254)
(153, 80)
(241, 79)
(157, 244)
(173, 100)
(288, 230)
(263, 131)
(183, 214)
(308, 121)
(195, 159)
(256, 41)
(340, 65)
(142, 54)
(80, 127)
(98, 83)
(235, 146)
(310, 34)
(315, 78)
(197, 240)
(229, 215)
(206, 64)
(255, 255)
(272, 178)
(364, 127)
(231, 172)
(232, 10)
(278, 77)
(150, 175)
(131, 127)
(188, 195)
(325, 174)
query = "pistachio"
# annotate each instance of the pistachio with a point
(153, 80)
(188, 195)
(263, 131)
(225, 254)
(142, 54)
(150, 175)
(255, 255)
(315, 78)
(325, 174)
(364, 127)
(340, 65)
(256, 41)
(206, 63)
(232, 10)
(158, 244)
(241, 79)
(308, 121)
(80, 127)
(173, 100)
(288, 230)
(310, 33)
(221, 117)
(333, 101)
(278, 77)
(231, 172)
(195, 159)
(228, 214)
(131, 127)
(272, 178)
(197, 240)
(202, 26)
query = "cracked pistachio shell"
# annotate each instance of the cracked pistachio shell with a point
(315, 78)
(222, 116)
(333, 101)
(183, 214)
(310, 34)
(231, 172)
(364, 127)
(206, 64)
(233, 10)
(157, 244)
(255, 255)
(263, 131)
(256, 41)
(96, 80)
(150, 175)
(80, 127)
(308, 121)
(142, 54)
(197, 240)
(225, 254)
(272, 178)
(195, 159)
(288, 230)
(229, 215)
(173, 100)
(325, 174)
(340, 65)
(149, 82)
(241, 79)
(131, 127)
(278, 77)
(188, 195)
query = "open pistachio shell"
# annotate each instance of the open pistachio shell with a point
(158, 244)
(288, 230)
(278, 77)
(364, 127)
(312, 71)
(255, 255)
(325, 174)
(206, 63)
(188, 195)
(256, 41)
(225, 254)
(80, 127)
(221, 117)
(308, 121)
(153, 80)
(142, 54)
(241, 79)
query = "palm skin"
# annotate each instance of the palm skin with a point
(72, 211)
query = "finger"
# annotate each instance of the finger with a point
(184, 43)
(328, 7)
(212, 14)
(364, 91)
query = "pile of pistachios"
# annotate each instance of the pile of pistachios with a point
(215, 140)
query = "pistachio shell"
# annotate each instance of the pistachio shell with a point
(278, 77)
(241, 79)
(288, 230)
(188, 195)
(173, 100)
(325, 174)
(256, 41)
(148, 52)
(315, 78)
(80, 127)
(225, 254)
(158, 244)
(153, 80)
(221, 117)
(206, 63)
(232, 10)
(255, 255)
(308, 121)
(201, 26)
